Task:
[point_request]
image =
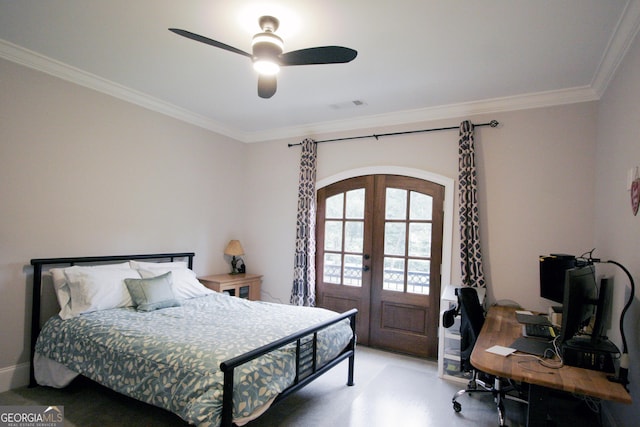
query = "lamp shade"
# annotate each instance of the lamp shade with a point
(234, 248)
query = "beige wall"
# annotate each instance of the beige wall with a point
(617, 231)
(82, 173)
(85, 174)
(536, 181)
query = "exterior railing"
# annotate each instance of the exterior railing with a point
(418, 282)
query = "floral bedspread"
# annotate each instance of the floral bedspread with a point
(170, 357)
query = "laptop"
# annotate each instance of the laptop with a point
(533, 346)
(532, 319)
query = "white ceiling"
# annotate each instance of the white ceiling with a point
(417, 59)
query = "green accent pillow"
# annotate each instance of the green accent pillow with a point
(152, 293)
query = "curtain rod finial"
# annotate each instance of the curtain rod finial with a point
(493, 123)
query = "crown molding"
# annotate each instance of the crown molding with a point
(626, 30)
(66, 72)
(58, 69)
(621, 40)
(487, 106)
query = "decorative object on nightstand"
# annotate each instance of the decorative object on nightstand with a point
(238, 285)
(234, 249)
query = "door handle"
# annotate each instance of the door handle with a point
(366, 268)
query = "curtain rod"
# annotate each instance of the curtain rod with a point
(492, 123)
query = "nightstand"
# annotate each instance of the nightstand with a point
(239, 285)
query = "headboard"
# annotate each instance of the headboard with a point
(39, 263)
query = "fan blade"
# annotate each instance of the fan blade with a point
(318, 55)
(267, 86)
(205, 40)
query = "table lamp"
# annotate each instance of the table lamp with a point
(234, 249)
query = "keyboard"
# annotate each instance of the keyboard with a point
(538, 331)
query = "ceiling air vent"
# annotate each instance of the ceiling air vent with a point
(348, 104)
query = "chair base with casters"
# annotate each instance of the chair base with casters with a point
(499, 389)
(471, 314)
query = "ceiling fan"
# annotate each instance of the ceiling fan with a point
(267, 54)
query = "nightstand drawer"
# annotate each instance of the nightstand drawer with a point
(239, 285)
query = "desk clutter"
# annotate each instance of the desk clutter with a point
(542, 339)
(498, 353)
(543, 382)
(535, 358)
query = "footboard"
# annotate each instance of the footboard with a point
(306, 361)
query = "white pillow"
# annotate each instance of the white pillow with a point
(185, 282)
(93, 289)
(137, 265)
(61, 288)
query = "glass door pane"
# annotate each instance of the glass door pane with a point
(418, 276)
(344, 238)
(419, 240)
(355, 204)
(407, 241)
(421, 206)
(393, 277)
(332, 268)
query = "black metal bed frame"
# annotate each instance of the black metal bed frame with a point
(305, 340)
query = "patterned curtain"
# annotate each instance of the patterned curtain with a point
(470, 251)
(304, 273)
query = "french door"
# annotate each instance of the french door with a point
(379, 249)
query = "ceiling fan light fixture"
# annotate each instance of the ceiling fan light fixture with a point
(266, 67)
(267, 47)
(267, 53)
(267, 40)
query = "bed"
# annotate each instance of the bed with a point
(143, 326)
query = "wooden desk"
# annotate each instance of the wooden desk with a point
(502, 328)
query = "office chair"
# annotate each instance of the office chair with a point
(471, 321)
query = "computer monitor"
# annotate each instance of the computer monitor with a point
(552, 275)
(579, 302)
(603, 310)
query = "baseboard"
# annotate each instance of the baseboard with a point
(14, 376)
